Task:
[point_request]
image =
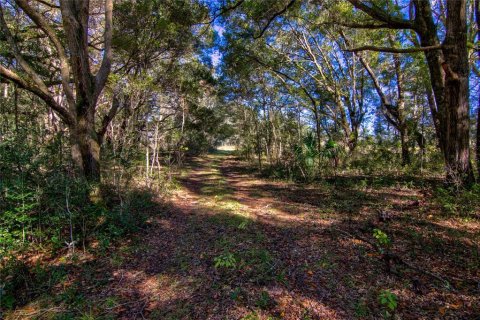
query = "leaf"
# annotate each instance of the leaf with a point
(456, 305)
(442, 311)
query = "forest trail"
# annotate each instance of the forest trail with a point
(230, 245)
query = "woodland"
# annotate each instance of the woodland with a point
(239, 159)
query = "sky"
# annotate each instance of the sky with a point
(216, 54)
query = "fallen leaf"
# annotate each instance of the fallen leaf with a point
(442, 310)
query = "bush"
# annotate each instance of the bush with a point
(463, 203)
(42, 206)
(389, 302)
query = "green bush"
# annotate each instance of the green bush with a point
(461, 203)
(43, 205)
(389, 302)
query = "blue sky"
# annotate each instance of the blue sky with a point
(216, 55)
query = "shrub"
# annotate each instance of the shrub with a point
(462, 203)
(388, 301)
(383, 241)
(225, 260)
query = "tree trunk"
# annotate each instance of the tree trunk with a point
(318, 129)
(86, 149)
(478, 137)
(477, 18)
(449, 71)
(456, 117)
(404, 146)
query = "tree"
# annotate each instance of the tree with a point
(68, 60)
(394, 113)
(477, 71)
(72, 68)
(449, 74)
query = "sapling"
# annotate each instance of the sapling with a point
(389, 302)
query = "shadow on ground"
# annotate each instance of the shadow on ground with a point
(231, 246)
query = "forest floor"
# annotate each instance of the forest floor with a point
(231, 245)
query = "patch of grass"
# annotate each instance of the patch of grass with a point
(264, 301)
(231, 205)
(237, 294)
(230, 220)
(110, 302)
(361, 309)
(223, 243)
(215, 190)
(116, 260)
(259, 265)
(251, 316)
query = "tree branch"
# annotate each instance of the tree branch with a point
(49, 100)
(104, 71)
(362, 25)
(380, 15)
(224, 10)
(64, 66)
(394, 50)
(18, 55)
(277, 14)
(109, 117)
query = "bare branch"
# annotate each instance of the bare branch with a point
(224, 10)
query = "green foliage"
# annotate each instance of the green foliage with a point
(225, 260)
(264, 300)
(251, 316)
(259, 264)
(389, 302)
(307, 153)
(236, 294)
(169, 23)
(243, 225)
(331, 150)
(461, 203)
(383, 241)
(361, 309)
(45, 207)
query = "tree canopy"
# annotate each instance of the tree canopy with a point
(112, 111)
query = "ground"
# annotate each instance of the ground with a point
(227, 244)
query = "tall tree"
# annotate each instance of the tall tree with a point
(74, 46)
(81, 80)
(449, 73)
(477, 71)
